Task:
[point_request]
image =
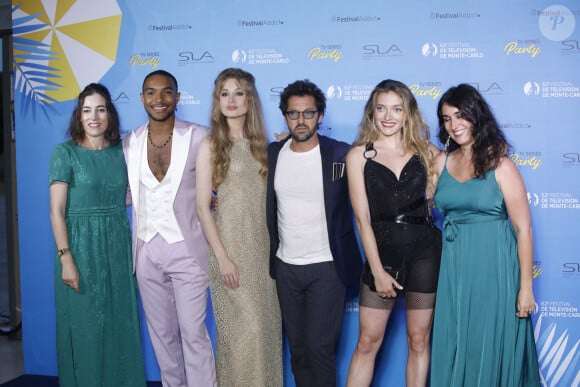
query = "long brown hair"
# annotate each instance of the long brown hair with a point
(254, 128)
(489, 144)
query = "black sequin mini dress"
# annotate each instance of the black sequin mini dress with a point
(401, 221)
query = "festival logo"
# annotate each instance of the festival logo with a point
(487, 88)
(429, 49)
(560, 309)
(559, 201)
(531, 88)
(262, 56)
(522, 47)
(571, 159)
(559, 89)
(557, 351)
(275, 92)
(426, 89)
(194, 57)
(168, 27)
(515, 125)
(552, 89)
(145, 59)
(571, 269)
(329, 52)
(186, 98)
(355, 19)
(452, 50)
(378, 51)
(334, 92)
(121, 97)
(533, 199)
(531, 160)
(58, 53)
(454, 15)
(569, 47)
(239, 56)
(243, 23)
(350, 92)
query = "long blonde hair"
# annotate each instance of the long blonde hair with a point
(415, 132)
(254, 128)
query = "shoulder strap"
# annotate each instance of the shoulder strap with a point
(370, 152)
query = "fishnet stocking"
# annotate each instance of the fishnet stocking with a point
(415, 300)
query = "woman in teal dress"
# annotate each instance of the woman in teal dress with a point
(483, 333)
(98, 335)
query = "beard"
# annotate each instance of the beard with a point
(303, 136)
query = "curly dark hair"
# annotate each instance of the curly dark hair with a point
(490, 143)
(75, 129)
(302, 88)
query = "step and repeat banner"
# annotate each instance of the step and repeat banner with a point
(522, 55)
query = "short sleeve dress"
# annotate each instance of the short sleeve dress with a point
(98, 334)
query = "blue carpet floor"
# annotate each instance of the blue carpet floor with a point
(46, 381)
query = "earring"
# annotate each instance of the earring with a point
(447, 143)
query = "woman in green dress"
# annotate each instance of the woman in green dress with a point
(98, 334)
(482, 333)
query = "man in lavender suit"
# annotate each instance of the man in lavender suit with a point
(170, 254)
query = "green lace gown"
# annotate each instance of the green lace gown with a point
(98, 335)
(477, 338)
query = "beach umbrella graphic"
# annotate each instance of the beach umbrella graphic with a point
(60, 46)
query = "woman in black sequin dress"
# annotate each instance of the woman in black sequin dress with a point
(389, 175)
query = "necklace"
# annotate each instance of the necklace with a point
(158, 146)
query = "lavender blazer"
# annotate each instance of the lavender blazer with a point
(186, 139)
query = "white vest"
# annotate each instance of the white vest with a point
(156, 207)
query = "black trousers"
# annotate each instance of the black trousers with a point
(312, 303)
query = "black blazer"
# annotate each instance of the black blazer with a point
(339, 217)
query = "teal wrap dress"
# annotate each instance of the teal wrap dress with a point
(477, 338)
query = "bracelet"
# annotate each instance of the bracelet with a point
(63, 251)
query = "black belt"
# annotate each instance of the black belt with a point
(408, 219)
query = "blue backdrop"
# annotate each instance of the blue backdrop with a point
(522, 55)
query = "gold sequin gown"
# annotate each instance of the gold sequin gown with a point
(248, 322)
